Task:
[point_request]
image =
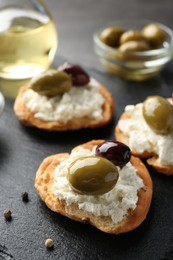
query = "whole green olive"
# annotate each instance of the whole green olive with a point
(154, 34)
(158, 113)
(111, 35)
(131, 36)
(51, 83)
(134, 46)
(92, 175)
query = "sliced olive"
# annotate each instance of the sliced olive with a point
(158, 114)
(111, 35)
(92, 175)
(154, 34)
(51, 83)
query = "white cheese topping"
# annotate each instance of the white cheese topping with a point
(115, 203)
(143, 138)
(77, 103)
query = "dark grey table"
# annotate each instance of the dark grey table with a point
(22, 149)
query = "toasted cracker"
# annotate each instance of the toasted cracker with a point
(152, 157)
(26, 116)
(44, 180)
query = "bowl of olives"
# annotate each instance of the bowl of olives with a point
(134, 50)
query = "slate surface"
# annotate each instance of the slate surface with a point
(21, 151)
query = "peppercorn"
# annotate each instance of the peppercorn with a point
(49, 243)
(25, 197)
(7, 214)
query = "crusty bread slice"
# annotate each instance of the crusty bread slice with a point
(26, 116)
(45, 179)
(151, 157)
(165, 169)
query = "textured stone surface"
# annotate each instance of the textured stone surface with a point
(22, 149)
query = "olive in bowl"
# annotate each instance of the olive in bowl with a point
(142, 49)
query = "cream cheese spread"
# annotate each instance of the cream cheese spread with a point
(115, 203)
(79, 102)
(143, 138)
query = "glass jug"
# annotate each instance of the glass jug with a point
(28, 38)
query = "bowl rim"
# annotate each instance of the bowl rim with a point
(160, 51)
(2, 103)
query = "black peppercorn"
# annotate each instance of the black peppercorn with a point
(7, 214)
(25, 197)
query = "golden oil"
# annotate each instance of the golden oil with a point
(28, 43)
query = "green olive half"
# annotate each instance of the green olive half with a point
(51, 83)
(92, 175)
(158, 114)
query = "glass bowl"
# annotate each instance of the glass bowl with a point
(2, 103)
(134, 65)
